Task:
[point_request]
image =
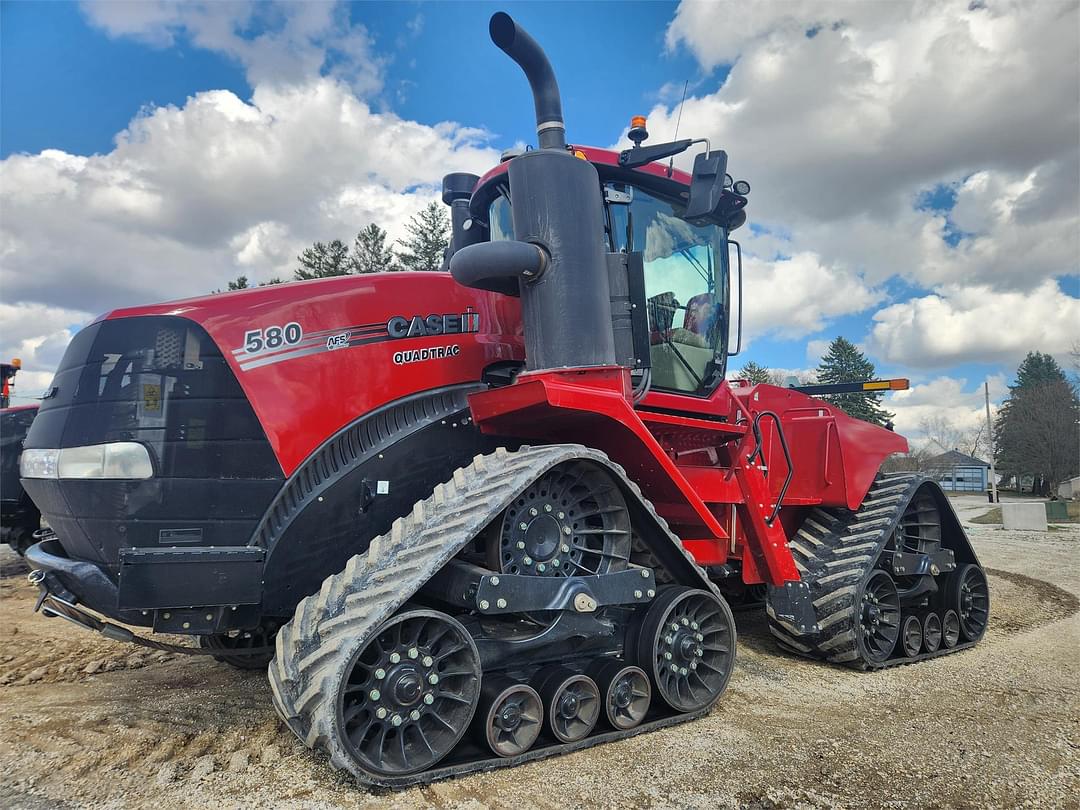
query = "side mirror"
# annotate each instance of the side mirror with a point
(707, 184)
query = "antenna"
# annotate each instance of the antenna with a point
(671, 163)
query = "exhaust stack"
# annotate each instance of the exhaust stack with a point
(516, 43)
(557, 261)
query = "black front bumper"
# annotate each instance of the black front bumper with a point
(193, 590)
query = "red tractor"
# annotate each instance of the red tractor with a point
(490, 515)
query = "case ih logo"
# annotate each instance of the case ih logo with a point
(420, 326)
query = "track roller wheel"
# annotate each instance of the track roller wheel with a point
(931, 632)
(572, 703)
(950, 629)
(687, 645)
(879, 618)
(969, 595)
(239, 641)
(627, 693)
(409, 694)
(510, 717)
(912, 636)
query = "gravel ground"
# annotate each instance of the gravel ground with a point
(93, 723)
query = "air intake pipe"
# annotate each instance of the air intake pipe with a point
(516, 43)
(557, 260)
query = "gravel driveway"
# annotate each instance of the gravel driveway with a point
(93, 723)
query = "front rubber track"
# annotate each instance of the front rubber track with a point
(315, 647)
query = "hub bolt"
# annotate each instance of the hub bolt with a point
(494, 580)
(381, 713)
(414, 653)
(674, 667)
(433, 679)
(556, 563)
(380, 673)
(674, 626)
(651, 593)
(395, 658)
(699, 637)
(523, 526)
(562, 515)
(693, 665)
(566, 530)
(501, 603)
(429, 698)
(565, 548)
(644, 573)
(669, 639)
(667, 655)
(683, 670)
(395, 720)
(374, 694)
(427, 660)
(533, 512)
(520, 544)
(541, 567)
(693, 625)
(528, 560)
(484, 604)
(637, 594)
(547, 507)
(685, 621)
(415, 714)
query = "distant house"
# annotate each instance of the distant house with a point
(957, 472)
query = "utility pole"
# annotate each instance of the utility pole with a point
(990, 437)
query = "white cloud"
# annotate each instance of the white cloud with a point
(944, 398)
(37, 334)
(842, 133)
(783, 297)
(976, 323)
(297, 41)
(195, 195)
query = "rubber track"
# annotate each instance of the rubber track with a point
(330, 626)
(835, 553)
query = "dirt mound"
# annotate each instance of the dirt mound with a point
(1020, 603)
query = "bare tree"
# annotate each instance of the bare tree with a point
(947, 435)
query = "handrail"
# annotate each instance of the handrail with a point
(759, 453)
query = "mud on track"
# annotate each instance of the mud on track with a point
(90, 722)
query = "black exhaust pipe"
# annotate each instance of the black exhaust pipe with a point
(522, 48)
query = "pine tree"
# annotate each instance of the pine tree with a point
(323, 260)
(845, 363)
(1038, 427)
(428, 239)
(370, 252)
(754, 373)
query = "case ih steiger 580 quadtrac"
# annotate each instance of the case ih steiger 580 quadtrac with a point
(489, 515)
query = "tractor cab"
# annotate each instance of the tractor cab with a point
(680, 265)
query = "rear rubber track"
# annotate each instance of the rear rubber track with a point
(329, 626)
(835, 552)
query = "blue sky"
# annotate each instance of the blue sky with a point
(900, 199)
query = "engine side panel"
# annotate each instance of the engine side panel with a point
(310, 356)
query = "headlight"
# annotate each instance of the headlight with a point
(117, 460)
(38, 463)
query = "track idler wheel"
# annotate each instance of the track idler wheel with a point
(912, 636)
(409, 694)
(687, 645)
(572, 703)
(510, 717)
(950, 629)
(931, 632)
(627, 693)
(879, 618)
(969, 595)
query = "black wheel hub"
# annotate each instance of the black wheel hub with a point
(410, 694)
(572, 520)
(879, 617)
(687, 642)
